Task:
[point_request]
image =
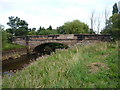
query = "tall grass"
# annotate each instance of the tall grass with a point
(70, 68)
(9, 46)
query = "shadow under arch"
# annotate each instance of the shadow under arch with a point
(47, 48)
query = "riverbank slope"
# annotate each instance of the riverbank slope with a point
(82, 66)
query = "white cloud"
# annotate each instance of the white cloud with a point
(52, 12)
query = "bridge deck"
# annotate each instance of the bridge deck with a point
(67, 39)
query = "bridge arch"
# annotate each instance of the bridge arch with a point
(49, 47)
(33, 42)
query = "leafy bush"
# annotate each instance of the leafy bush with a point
(47, 32)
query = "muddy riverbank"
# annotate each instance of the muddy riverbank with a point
(14, 53)
(13, 64)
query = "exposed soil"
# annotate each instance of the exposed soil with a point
(14, 53)
(94, 67)
(17, 63)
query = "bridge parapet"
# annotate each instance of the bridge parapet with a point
(49, 37)
(42, 37)
(68, 39)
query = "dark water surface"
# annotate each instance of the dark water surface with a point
(10, 65)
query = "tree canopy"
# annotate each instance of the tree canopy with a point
(47, 32)
(113, 24)
(73, 27)
(115, 9)
(6, 37)
(18, 27)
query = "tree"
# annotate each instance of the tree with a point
(50, 27)
(61, 30)
(115, 19)
(75, 27)
(106, 13)
(115, 9)
(92, 31)
(41, 29)
(47, 32)
(13, 22)
(113, 26)
(3, 36)
(107, 29)
(32, 31)
(98, 24)
(92, 20)
(21, 31)
(18, 27)
(1, 27)
(116, 26)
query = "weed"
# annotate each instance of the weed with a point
(69, 69)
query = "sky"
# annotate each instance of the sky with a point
(54, 12)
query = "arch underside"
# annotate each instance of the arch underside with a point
(34, 44)
(49, 47)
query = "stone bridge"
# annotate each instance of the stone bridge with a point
(32, 41)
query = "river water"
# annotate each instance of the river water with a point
(11, 65)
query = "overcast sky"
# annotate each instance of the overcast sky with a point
(53, 12)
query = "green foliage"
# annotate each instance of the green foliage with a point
(47, 32)
(4, 34)
(116, 33)
(69, 69)
(7, 39)
(50, 27)
(32, 33)
(91, 31)
(61, 30)
(10, 46)
(4, 38)
(18, 27)
(115, 9)
(74, 27)
(40, 29)
(15, 22)
(115, 20)
(113, 26)
(33, 29)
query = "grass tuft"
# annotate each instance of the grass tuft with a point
(71, 68)
(10, 46)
